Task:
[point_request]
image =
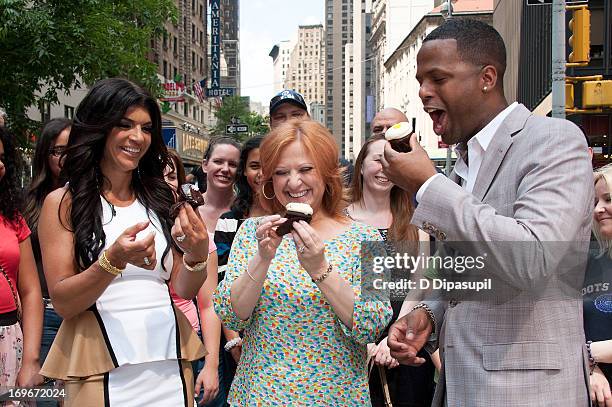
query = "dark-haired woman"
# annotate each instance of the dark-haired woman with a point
(109, 248)
(50, 147)
(19, 287)
(246, 205)
(379, 203)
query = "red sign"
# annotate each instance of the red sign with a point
(173, 92)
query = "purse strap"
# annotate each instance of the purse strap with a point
(14, 292)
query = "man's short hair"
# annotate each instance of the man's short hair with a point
(477, 43)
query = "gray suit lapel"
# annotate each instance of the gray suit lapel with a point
(501, 142)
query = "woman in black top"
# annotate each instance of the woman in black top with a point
(245, 205)
(597, 292)
(379, 203)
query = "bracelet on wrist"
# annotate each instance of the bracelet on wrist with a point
(324, 275)
(196, 268)
(232, 344)
(592, 361)
(429, 312)
(106, 265)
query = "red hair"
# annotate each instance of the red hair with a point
(319, 144)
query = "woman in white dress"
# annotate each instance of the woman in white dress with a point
(109, 249)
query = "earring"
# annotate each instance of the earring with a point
(263, 192)
(484, 89)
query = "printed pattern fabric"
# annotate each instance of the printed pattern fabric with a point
(11, 355)
(296, 351)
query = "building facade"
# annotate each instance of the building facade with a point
(281, 57)
(338, 32)
(182, 53)
(230, 43)
(306, 71)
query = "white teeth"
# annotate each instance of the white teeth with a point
(131, 150)
(299, 195)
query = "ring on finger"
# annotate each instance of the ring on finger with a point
(180, 238)
(146, 261)
(301, 249)
(259, 239)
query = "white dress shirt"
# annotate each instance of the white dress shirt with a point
(477, 148)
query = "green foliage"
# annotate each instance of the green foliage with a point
(54, 44)
(236, 106)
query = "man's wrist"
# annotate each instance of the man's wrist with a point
(422, 307)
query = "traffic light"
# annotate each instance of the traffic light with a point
(580, 38)
(596, 94)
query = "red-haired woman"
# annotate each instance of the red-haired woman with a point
(377, 202)
(299, 298)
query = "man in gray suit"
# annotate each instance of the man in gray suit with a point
(519, 178)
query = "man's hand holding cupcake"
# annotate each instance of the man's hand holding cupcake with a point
(407, 170)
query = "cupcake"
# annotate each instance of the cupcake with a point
(187, 194)
(399, 136)
(295, 212)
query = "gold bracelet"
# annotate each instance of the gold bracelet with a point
(107, 266)
(324, 275)
(197, 268)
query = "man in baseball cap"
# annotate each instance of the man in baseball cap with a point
(286, 105)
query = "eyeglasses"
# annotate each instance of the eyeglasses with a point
(57, 151)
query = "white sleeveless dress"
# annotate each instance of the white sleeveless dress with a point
(138, 322)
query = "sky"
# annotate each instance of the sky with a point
(264, 23)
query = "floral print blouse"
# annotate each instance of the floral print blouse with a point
(296, 351)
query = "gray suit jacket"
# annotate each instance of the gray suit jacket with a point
(522, 348)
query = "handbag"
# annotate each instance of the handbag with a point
(383, 380)
(14, 292)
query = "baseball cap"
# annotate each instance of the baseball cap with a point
(287, 96)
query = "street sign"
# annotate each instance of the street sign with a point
(236, 128)
(219, 92)
(546, 2)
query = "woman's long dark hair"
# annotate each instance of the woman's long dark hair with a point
(244, 193)
(10, 198)
(43, 180)
(100, 111)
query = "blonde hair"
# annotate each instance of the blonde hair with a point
(603, 174)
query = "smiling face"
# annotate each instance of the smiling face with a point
(127, 142)
(252, 170)
(603, 209)
(296, 179)
(451, 90)
(221, 167)
(374, 180)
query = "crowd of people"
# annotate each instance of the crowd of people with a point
(120, 289)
